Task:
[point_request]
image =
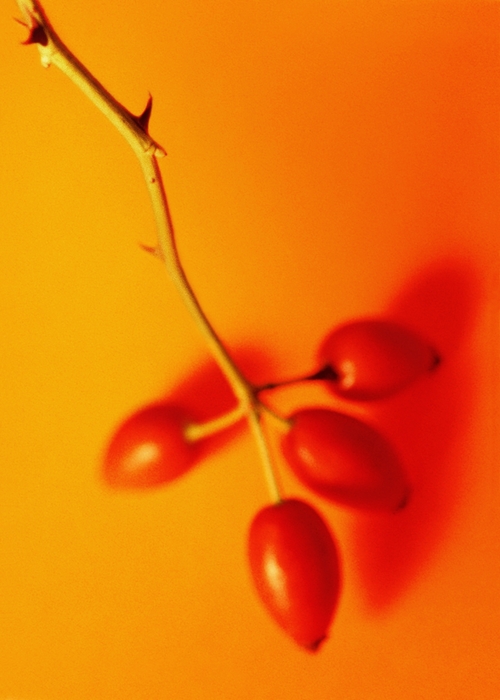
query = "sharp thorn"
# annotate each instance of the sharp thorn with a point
(152, 250)
(37, 34)
(143, 119)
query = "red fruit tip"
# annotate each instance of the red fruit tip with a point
(315, 646)
(404, 501)
(436, 361)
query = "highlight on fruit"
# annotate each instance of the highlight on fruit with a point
(345, 460)
(375, 358)
(295, 567)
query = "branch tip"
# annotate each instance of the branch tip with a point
(53, 50)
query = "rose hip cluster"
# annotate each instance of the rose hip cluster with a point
(293, 556)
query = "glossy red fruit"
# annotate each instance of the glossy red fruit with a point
(345, 460)
(296, 570)
(372, 359)
(148, 449)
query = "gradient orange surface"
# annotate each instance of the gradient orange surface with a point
(327, 160)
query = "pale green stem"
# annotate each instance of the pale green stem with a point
(198, 431)
(254, 420)
(283, 423)
(57, 53)
(134, 130)
(169, 254)
(54, 51)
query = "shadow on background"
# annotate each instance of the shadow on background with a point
(424, 422)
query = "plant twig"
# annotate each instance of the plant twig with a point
(54, 52)
(135, 130)
(199, 431)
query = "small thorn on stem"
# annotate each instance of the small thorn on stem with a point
(159, 152)
(152, 250)
(143, 119)
(37, 34)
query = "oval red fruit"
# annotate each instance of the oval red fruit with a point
(345, 460)
(148, 449)
(372, 359)
(295, 567)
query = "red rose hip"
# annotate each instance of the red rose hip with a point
(345, 460)
(148, 449)
(371, 359)
(295, 567)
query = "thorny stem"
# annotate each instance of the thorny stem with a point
(169, 255)
(54, 51)
(135, 130)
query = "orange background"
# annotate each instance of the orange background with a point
(327, 160)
